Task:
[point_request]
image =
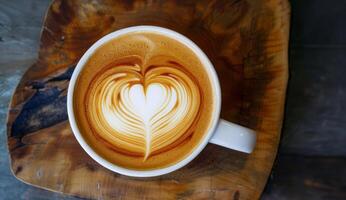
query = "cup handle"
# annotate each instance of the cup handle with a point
(234, 136)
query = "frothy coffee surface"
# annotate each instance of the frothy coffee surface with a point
(143, 101)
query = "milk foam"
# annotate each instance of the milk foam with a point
(143, 112)
(145, 105)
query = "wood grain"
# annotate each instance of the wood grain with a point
(247, 43)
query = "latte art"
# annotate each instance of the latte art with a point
(142, 111)
(143, 101)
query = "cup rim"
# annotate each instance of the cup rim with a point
(155, 172)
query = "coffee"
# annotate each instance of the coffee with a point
(143, 101)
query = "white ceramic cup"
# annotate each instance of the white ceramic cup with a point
(221, 132)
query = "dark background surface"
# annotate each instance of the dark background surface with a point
(311, 163)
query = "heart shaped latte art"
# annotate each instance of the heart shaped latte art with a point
(142, 112)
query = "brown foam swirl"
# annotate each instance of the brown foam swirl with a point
(142, 110)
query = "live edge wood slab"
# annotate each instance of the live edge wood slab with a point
(246, 40)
